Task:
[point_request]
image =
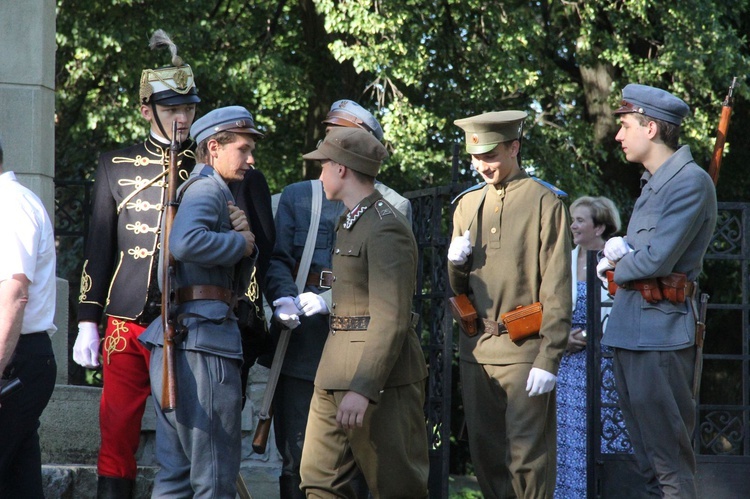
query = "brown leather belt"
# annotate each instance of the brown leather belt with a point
(204, 292)
(349, 323)
(492, 327)
(323, 280)
(674, 287)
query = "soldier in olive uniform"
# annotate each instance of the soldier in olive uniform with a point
(295, 386)
(511, 248)
(120, 266)
(366, 409)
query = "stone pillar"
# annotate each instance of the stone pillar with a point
(27, 117)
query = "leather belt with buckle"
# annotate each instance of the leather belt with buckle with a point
(203, 292)
(493, 328)
(324, 280)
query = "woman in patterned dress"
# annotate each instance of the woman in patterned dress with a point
(594, 219)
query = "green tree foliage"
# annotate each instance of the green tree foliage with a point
(418, 65)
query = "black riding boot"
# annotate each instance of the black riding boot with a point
(289, 487)
(108, 487)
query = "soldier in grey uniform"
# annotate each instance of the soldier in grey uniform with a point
(510, 248)
(295, 386)
(198, 444)
(653, 339)
(366, 409)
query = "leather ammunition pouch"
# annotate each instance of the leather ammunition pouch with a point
(524, 321)
(673, 287)
(464, 313)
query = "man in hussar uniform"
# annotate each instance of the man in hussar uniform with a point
(511, 247)
(119, 277)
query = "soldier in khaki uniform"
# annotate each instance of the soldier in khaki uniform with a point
(366, 409)
(511, 248)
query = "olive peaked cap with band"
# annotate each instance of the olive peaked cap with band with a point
(350, 114)
(235, 119)
(354, 148)
(653, 102)
(485, 131)
(168, 85)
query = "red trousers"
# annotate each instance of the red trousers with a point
(126, 388)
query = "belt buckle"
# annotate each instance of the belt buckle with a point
(321, 279)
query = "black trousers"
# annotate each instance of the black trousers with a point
(20, 456)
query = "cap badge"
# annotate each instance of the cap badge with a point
(180, 79)
(474, 138)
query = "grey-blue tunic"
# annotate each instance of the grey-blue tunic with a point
(198, 445)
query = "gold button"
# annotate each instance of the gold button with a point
(497, 208)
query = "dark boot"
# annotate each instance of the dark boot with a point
(289, 487)
(108, 487)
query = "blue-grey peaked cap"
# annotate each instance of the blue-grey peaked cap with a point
(653, 102)
(224, 119)
(349, 113)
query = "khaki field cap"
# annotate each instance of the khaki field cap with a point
(352, 147)
(485, 131)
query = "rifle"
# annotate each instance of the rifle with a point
(169, 381)
(721, 134)
(713, 171)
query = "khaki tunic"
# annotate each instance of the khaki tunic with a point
(520, 256)
(374, 263)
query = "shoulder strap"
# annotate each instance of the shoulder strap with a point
(558, 192)
(312, 234)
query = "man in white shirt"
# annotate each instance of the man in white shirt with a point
(27, 310)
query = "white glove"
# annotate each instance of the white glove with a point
(286, 312)
(86, 347)
(603, 266)
(311, 304)
(540, 381)
(616, 248)
(460, 249)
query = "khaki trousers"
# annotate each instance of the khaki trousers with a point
(512, 437)
(390, 448)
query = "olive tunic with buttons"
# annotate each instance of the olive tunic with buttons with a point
(375, 270)
(520, 256)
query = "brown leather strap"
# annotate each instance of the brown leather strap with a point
(349, 323)
(493, 328)
(204, 292)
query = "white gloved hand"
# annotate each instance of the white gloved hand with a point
(86, 347)
(460, 249)
(616, 248)
(311, 304)
(603, 266)
(540, 381)
(286, 312)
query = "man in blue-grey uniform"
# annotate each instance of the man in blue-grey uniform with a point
(653, 319)
(295, 386)
(198, 444)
